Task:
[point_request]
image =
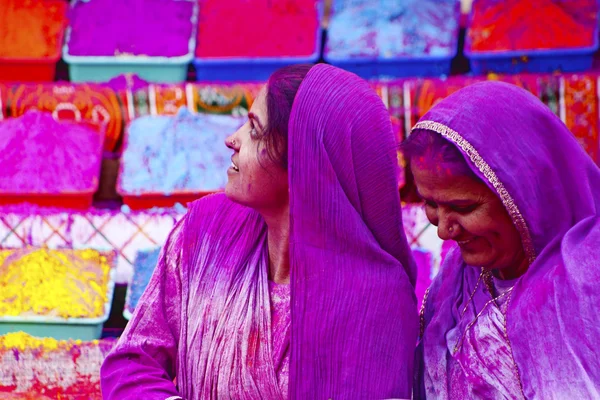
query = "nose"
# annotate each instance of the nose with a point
(232, 142)
(448, 229)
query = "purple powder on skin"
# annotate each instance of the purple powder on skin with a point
(41, 155)
(151, 28)
(182, 153)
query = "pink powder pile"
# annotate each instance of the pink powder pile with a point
(40, 155)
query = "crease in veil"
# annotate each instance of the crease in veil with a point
(353, 307)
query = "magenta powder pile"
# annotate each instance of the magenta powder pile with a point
(151, 28)
(41, 155)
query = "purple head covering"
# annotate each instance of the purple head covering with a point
(205, 316)
(551, 189)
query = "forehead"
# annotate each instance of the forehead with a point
(259, 105)
(434, 182)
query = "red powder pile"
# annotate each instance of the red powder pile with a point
(259, 28)
(31, 28)
(508, 25)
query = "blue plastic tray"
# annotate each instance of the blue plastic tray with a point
(399, 67)
(565, 60)
(252, 69)
(152, 69)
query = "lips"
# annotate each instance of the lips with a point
(464, 242)
(234, 166)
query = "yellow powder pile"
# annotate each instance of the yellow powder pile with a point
(22, 341)
(59, 283)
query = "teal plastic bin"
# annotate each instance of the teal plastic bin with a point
(61, 328)
(152, 69)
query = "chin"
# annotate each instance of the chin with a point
(476, 259)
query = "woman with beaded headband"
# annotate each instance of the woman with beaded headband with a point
(513, 312)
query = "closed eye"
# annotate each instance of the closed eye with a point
(464, 209)
(431, 204)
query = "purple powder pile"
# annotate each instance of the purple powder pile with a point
(151, 28)
(41, 155)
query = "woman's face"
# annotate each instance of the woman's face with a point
(465, 210)
(254, 180)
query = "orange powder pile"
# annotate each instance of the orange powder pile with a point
(31, 28)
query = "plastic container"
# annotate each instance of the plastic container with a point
(61, 328)
(140, 196)
(535, 61)
(249, 69)
(33, 69)
(74, 200)
(152, 69)
(399, 66)
(253, 69)
(143, 267)
(71, 186)
(144, 201)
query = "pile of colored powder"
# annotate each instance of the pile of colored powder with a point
(505, 25)
(44, 368)
(41, 155)
(185, 152)
(387, 29)
(54, 283)
(31, 28)
(151, 28)
(143, 267)
(258, 28)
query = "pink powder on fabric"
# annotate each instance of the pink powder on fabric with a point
(281, 319)
(40, 155)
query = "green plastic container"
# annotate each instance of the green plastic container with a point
(61, 328)
(152, 69)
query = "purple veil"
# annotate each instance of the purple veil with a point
(551, 189)
(205, 316)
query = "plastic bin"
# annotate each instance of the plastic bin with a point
(75, 200)
(149, 200)
(253, 69)
(61, 328)
(139, 198)
(152, 69)
(399, 66)
(249, 69)
(143, 268)
(33, 69)
(535, 61)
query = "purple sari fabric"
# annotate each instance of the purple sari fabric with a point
(205, 318)
(551, 189)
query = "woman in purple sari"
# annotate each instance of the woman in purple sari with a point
(298, 282)
(513, 312)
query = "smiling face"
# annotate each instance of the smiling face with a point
(254, 179)
(465, 210)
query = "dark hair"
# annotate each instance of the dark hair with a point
(282, 87)
(432, 146)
